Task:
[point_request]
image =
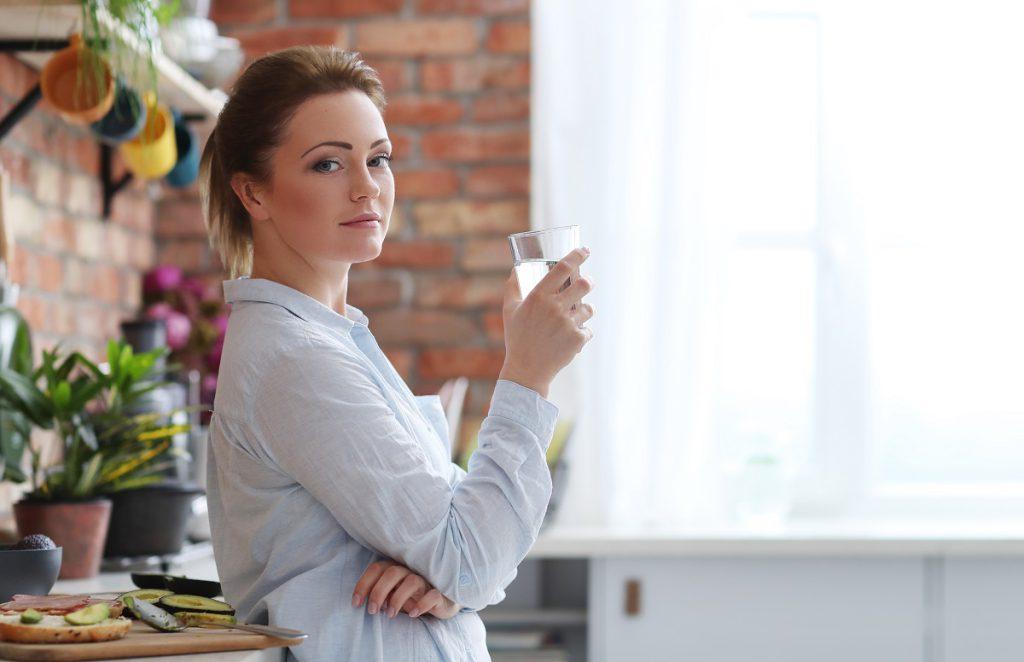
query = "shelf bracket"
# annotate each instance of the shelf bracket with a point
(110, 187)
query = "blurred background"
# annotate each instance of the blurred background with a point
(798, 431)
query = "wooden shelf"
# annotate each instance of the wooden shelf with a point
(57, 19)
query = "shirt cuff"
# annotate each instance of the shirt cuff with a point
(526, 407)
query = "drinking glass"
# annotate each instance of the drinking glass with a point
(535, 252)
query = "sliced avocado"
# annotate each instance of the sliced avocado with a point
(152, 615)
(201, 587)
(150, 595)
(31, 616)
(89, 615)
(193, 618)
(177, 603)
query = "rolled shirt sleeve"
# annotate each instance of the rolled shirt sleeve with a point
(325, 422)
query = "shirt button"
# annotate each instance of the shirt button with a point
(463, 579)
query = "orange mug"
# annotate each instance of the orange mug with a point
(78, 83)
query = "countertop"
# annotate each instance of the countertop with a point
(832, 538)
(201, 568)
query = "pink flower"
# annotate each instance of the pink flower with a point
(179, 327)
(220, 322)
(195, 287)
(209, 387)
(163, 278)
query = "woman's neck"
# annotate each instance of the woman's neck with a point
(330, 289)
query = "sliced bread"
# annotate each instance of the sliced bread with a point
(53, 629)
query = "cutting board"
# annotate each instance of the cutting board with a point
(143, 641)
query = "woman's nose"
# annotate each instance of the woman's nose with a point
(363, 185)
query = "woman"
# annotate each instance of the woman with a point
(334, 504)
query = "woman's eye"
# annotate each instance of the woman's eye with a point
(325, 166)
(376, 161)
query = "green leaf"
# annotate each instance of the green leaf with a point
(21, 394)
(61, 397)
(87, 481)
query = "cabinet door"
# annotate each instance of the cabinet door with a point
(984, 610)
(739, 610)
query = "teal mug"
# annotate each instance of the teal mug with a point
(186, 170)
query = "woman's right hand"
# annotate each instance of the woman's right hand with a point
(545, 331)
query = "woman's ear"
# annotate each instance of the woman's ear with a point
(251, 195)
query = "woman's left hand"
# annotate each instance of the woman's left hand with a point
(386, 584)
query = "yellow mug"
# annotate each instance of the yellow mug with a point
(78, 83)
(153, 153)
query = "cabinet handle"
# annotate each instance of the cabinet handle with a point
(632, 597)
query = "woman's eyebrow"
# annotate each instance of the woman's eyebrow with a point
(343, 145)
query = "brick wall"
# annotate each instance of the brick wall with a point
(79, 274)
(457, 77)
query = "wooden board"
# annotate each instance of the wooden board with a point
(143, 641)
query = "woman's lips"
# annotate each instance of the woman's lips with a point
(367, 225)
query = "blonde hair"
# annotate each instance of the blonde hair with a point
(251, 126)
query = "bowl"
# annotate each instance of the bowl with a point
(28, 571)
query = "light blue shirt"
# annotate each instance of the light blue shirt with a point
(322, 461)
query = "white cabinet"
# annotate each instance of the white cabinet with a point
(744, 609)
(984, 610)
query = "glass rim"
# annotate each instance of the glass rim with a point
(542, 230)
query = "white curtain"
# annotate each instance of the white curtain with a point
(618, 124)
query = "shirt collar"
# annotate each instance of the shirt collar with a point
(299, 304)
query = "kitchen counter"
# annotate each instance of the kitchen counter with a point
(834, 539)
(200, 568)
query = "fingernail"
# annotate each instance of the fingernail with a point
(586, 250)
(373, 608)
(392, 612)
(356, 599)
(414, 613)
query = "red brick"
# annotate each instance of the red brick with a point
(33, 309)
(502, 180)
(59, 233)
(435, 183)
(471, 144)
(243, 12)
(341, 8)
(393, 73)
(401, 359)
(260, 42)
(50, 273)
(486, 255)
(85, 154)
(142, 255)
(16, 77)
(460, 217)
(501, 107)
(509, 37)
(368, 293)
(89, 320)
(417, 37)
(423, 327)
(132, 209)
(403, 145)
(459, 292)
(440, 363)
(494, 327)
(417, 254)
(106, 285)
(414, 109)
(17, 166)
(190, 255)
(180, 218)
(473, 6)
(475, 74)
(131, 289)
(118, 245)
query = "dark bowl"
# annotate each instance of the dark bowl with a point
(28, 571)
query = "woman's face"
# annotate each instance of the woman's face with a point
(332, 167)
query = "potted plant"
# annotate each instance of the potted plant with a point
(104, 450)
(137, 21)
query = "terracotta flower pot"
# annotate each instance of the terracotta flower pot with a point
(80, 527)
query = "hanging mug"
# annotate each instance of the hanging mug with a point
(152, 153)
(125, 118)
(78, 83)
(187, 168)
